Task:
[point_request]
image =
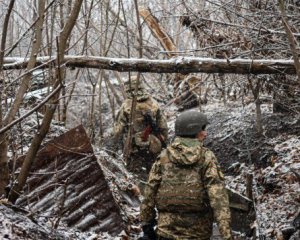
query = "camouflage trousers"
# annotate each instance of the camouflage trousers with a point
(185, 226)
(139, 163)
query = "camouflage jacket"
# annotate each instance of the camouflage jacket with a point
(187, 187)
(146, 105)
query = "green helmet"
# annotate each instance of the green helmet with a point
(190, 123)
(130, 85)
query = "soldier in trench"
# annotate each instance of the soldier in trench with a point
(186, 187)
(150, 130)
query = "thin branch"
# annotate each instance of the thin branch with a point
(27, 30)
(10, 125)
(264, 30)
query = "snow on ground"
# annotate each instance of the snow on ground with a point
(276, 187)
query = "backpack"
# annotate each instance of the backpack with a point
(182, 188)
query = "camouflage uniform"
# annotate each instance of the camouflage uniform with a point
(143, 152)
(187, 188)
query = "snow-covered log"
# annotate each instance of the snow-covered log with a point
(174, 65)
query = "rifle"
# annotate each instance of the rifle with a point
(152, 128)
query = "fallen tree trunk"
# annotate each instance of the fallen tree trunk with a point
(190, 99)
(164, 39)
(182, 65)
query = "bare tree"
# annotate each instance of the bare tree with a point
(128, 144)
(60, 72)
(204, 37)
(256, 93)
(292, 41)
(4, 172)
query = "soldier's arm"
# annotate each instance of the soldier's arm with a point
(215, 186)
(148, 204)
(162, 124)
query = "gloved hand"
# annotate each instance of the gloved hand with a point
(149, 233)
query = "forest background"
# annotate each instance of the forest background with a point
(65, 62)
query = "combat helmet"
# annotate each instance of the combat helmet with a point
(190, 123)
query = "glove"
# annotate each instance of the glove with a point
(149, 233)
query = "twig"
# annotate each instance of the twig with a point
(8, 126)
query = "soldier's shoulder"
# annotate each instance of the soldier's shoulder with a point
(148, 104)
(207, 153)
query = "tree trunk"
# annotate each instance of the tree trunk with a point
(4, 172)
(128, 144)
(292, 40)
(259, 126)
(164, 39)
(32, 61)
(182, 65)
(171, 50)
(256, 93)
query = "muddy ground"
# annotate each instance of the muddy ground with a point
(233, 136)
(273, 159)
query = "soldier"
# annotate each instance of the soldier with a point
(186, 186)
(150, 130)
